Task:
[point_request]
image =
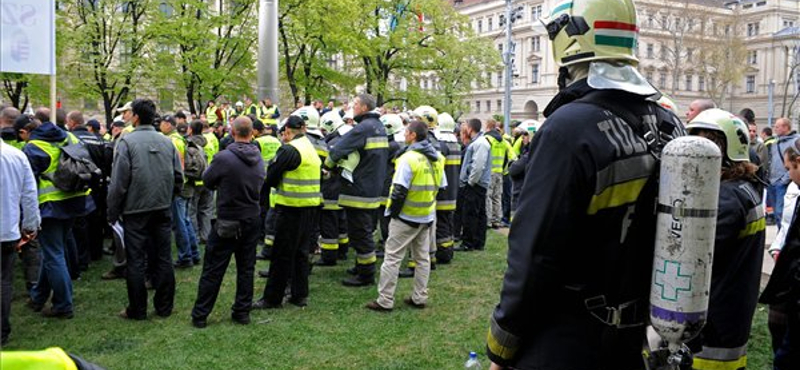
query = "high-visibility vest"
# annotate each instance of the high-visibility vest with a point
(127, 130)
(212, 146)
(499, 151)
(251, 109)
(425, 182)
(266, 115)
(269, 146)
(16, 143)
(53, 358)
(211, 115)
(301, 187)
(48, 192)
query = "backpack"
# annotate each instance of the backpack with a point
(194, 161)
(75, 172)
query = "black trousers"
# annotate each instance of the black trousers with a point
(6, 283)
(383, 225)
(148, 236)
(473, 217)
(360, 226)
(333, 233)
(269, 233)
(217, 259)
(444, 236)
(291, 252)
(506, 201)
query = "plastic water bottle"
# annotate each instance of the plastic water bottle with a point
(473, 362)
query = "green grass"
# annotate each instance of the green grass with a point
(333, 332)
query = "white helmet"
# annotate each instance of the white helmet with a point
(331, 121)
(310, 115)
(428, 115)
(393, 123)
(348, 114)
(446, 123)
(239, 104)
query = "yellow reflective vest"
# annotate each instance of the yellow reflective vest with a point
(212, 146)
(269, 146)
(53, 358)
(48, 192)
(211, 115)
(301, 187)
(425, 182)
(265, 115)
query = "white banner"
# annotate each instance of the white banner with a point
(28, 36)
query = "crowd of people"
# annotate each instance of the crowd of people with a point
(318, 182)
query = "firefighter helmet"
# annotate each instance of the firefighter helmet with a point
(393, 123)
(427, 115)
(590, 30)
(446, 123)
(310, 115)
(737, 136)
(331, 121)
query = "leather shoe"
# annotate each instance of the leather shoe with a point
(407, 272)
(36, 307)
(302, 302)
(411, 303)
(262, 304)
(49, 312)
(182, 264)
(199, 323)
(114, 274)
(358, 281)
(124, 315)
(240, 319)
(376, 307)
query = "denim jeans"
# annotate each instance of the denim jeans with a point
(53, 274)
(185, 238)
(201, 211)
(777, 191)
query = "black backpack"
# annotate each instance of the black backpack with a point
(75, 170)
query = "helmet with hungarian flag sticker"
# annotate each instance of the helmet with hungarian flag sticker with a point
(591, 30)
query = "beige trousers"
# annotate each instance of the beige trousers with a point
(402, 237)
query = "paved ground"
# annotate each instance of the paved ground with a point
(768, 264)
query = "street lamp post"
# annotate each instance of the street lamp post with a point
(771, 108)
(508, 60)
(268, 50)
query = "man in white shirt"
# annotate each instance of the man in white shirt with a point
(18, 201)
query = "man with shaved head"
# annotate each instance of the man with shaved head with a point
(779, 180)
(7, 117)
(698, 106)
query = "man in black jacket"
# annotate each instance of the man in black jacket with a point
(145, 176)
(237, 173)
(362, 197)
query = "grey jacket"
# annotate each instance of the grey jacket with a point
(145, 174)
(476, 168)
(778, 175)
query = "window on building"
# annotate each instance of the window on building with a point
(536, 13)
(649, 76)
(761, 3)
(688, 82)
(750, 84)
(535, 73)
(477, 105)
(489, 24)
(752, 29)
(788, 23)
(501, 20)
(165, 9)
(499, 105)
(500, 48)
(536, 44)
(689, 54)
(727, 30)
(747, 6)
(664, 22)
(677, 23)
(701, 83)
(690, 24)
(650, 21)
(500, 79)
(662, 80)
(663, 49)
(752, 57)
(489, 106)
(480, 25)
(650, 51)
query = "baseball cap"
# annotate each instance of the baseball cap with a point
(94, 124)
(118, 124)
(295, 122)
(128, 106)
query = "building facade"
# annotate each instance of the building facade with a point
(671, 49)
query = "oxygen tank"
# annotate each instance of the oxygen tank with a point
(687, 219)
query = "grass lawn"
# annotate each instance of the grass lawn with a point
(333, 332)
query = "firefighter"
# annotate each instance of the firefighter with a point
(393, 124)
(361, 197)
(295, 175)
(332, 223)
(268, 145)
(576, 291)
(738, 246)
(446, 199)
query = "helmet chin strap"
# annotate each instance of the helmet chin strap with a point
(570, 74)
(563, 78)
